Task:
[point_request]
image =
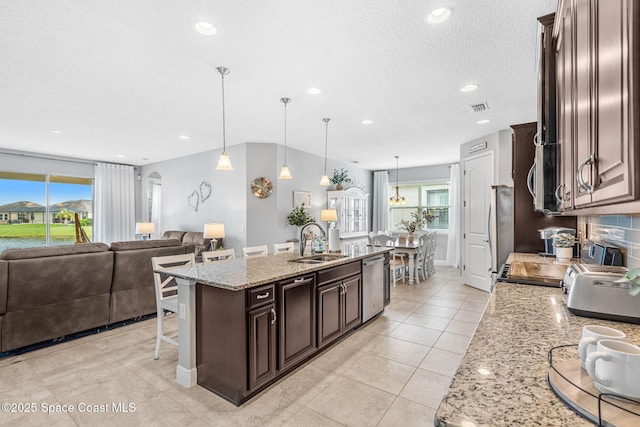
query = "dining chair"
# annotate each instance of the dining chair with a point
(430, 267)
(221, 255)
(420, 265)
(397, 262)
(167, 291)
(255, 251)
(283, 248)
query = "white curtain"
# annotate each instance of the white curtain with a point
(156, 203)
(380, 201)
(114, 218)
(453, 244)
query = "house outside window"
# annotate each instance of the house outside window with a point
(431, 197)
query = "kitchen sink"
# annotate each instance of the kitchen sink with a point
(318, 259)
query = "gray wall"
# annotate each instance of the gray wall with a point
(248, 220)
(501, 145)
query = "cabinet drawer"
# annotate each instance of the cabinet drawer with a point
(339, 272)
(260, 296)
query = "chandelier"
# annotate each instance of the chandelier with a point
(397, 199)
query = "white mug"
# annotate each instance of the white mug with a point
(591, 334)
(615, 368)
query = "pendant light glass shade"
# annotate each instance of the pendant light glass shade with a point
(397, 200)
(285, 173)
(224, 163)
(324, 181)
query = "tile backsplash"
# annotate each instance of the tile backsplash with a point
(619, 230)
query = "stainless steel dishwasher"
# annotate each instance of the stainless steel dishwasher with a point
(372, 287)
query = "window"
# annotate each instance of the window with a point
(27, 220)
(433, 198)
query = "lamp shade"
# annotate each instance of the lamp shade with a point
(145, 228)
(213, 231)
(329, 215)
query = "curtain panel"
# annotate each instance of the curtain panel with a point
(380, 220)
(114, 200)
(453, 244)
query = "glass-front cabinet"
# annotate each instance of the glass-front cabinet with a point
(352, 207)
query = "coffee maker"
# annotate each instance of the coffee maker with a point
(547, 232)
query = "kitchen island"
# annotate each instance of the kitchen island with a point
(501, 380)
(244, 323)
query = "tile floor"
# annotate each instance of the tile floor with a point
(393, 371)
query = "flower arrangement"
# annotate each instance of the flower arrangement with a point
(632, 278)
(339, 176)
(564, 240)
(299, 216)
(416, 222)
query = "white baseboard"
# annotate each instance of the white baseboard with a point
(186, 377)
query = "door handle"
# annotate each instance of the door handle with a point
(530, 177)
(586, 187)
(273, 316)
(558, 194)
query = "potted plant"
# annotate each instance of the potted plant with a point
(632, 277)
(563, 242)
(299, 217)
(416, 222)
(339, 176)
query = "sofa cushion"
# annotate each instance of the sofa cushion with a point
(143, 244)
(173, 234)
(49, 251)
(195, 239)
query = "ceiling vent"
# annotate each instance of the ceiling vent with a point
(478, 108)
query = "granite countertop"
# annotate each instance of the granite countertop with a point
(242, 273)
(502, 378)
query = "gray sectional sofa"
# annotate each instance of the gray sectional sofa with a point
(50, 292)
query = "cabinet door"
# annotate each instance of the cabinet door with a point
(612, 77)
(583, 102)
(262, 345)
(352, 308)
(329, 315)
(297, 320)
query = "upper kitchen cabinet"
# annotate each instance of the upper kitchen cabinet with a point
(597, 65)
(352, 209)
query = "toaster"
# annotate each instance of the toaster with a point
(590, 290)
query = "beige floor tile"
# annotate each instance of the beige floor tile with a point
(401, 351)
(445, 302)
(38, 418)
(381, 325)
(427, 321)
(405, 413)
(437, 310)
(471, 305)
(380, 372)
(403, 305)
(308, 418)
(461, 328)
(468, 316)
(336, 359)
(306, 383)
(416, 334)
(441, 362)
(427, 388)
(352, 403)
(160, 373)
(453, 342)
(395, 315)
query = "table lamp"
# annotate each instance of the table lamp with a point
(213, 231)
(145, 229)
(331, 216)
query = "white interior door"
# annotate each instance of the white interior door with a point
(478, 178)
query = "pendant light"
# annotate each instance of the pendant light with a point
(284, 172)
(397, 199)
(224, 164)
(324, 181)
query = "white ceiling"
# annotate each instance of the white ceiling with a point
(127, 77)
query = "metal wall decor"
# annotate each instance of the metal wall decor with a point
(199, 195)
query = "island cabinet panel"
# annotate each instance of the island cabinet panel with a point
(262, 345)
(329, 313)
(352, 307)
(297, 320)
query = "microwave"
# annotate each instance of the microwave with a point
(542, 179)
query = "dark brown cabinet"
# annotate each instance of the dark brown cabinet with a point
(262, 345)
(597, 65)
(297, 320)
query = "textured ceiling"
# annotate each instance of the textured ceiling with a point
(127, 77)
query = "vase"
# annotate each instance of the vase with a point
(564, 254)
(338, 187)
(410, 237)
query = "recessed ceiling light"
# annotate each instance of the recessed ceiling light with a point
(145, 158)
(366, 122)
(183, 137)
(314, 91)
(469, 88)
(120, 156)
(482, 122)
(205, 28)
(439, 15)
(56, 131)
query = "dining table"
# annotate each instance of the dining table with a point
(410, 248)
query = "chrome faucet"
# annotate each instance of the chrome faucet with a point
(303, 239)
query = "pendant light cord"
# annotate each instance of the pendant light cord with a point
(285, 132)
(224, 131)
(326, 138)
